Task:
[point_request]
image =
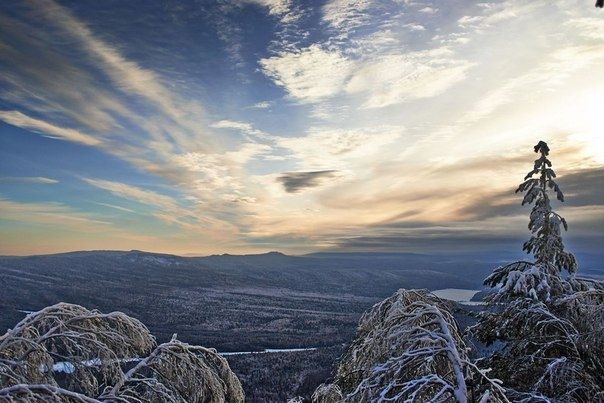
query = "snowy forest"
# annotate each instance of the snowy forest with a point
(538, 339)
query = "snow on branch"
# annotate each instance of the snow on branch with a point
(521, 279)
(409, 347)
(545, 344)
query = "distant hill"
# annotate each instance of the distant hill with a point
(227, 301)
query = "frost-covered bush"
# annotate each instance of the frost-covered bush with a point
(177, 371)
(551, 326)
(67, 353)
(409, 348)
(89, 344)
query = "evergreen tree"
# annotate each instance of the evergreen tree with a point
(549, 328)
(546, 242)
(540, 279)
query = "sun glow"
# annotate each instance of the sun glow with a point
(587, 116)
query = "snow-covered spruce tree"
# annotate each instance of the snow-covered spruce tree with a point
(67, 353)
(409, 348)
(540, 279)
(551, 327)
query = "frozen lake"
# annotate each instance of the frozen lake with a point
(270, 350)
(69, 368)
(458, 295)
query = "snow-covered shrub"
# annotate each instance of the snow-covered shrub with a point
(409, 347)
(177, 371)
(67, 353)
(89, 343)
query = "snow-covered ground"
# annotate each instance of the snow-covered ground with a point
(458, 295)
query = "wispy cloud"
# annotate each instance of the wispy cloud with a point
(395, 78)
(148, 197)
(48, 213)
(428, 10)
(334, 148)
(548, 73)
(113, 206)
(367, 56)
(125, 73)
(172, 211)
(309, 74)
(28, 179)
(346, 15)
(243, 127)
(261, 105)
(495, 13)
(136, 115)
(283, 9)
(18, 119)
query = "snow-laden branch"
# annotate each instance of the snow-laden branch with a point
(548, 342)
(409, 348)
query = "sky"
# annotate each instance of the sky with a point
(245, 126)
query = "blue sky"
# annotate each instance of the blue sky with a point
(254, 125)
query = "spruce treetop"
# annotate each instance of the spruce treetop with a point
(546, 241)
